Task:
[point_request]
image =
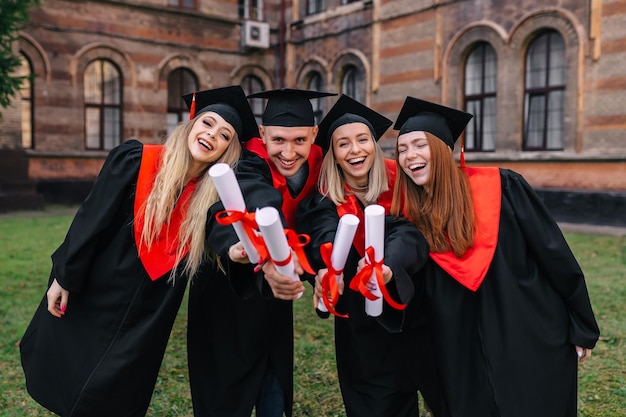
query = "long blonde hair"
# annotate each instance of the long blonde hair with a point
(168, 185)
(331, 182)
(443, 208)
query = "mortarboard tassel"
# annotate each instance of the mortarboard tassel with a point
(192, 108)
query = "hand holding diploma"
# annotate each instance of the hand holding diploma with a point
(339, 254)
(375, 238)
(279, 251)
(230, 194)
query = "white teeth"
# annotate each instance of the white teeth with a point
(288, 163)
(416, 166)
(356, 160)
(205, 144)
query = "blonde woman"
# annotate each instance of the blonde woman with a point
(379, 368)
(96, 342)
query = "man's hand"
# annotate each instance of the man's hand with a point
(282, 287)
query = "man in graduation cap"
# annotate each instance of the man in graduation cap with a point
(510, 308)
(278, 169)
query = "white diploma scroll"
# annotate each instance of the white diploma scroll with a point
(273, 234)
(228, 189)
(375, 237)
(346, 230)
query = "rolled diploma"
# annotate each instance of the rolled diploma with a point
(341, 246)
(228, 189)
(273, 234)
(375, 237)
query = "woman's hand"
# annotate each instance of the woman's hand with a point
(236, 253)
(57, 299)
(583, 353)
(318, 285)
(387, 274)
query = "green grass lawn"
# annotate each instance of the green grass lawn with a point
(26, 243)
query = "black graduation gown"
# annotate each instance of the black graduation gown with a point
(239, 330)
(103, 356)
(507, 350)
(378, 366)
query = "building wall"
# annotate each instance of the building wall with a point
(146, 41)
(419, 48)
(401, 47)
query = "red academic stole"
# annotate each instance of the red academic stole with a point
(352, 206)
(161, 257)
(470, 269)
(290, 204)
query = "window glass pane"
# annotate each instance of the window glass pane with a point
(92, 128)
(535, 122)
(190, 4)
(93, 75)
(251, 85)
(111, 84)
(489, 124)
(351, 83)
(26, 89)
(536, 63)
(556, 75)
(111, 128)
(315, 84)
(473, 72)
(472, 130)
(491, 70)
(555, 120)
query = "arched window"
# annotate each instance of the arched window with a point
(252, 85)
(181, 81)
(25, 70)
(103, 105)
(315, 84)
(352, 83)
(481, 76)
(544, 93)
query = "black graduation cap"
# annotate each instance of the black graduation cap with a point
(347, 110)
(289, 107)
(230, 103)
(444, 122)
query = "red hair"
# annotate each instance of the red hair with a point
(443, 208)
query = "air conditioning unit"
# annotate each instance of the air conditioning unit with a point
(256, 34)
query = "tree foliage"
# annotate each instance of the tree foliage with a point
(13, 14)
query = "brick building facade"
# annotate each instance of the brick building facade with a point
(546, 80)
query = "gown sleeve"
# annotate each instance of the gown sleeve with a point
(115, 183)
(553, 255)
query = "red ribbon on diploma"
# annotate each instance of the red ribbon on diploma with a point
(329, 281)
(228, 217)
(294, 240)
(297, 242)
(360, 280)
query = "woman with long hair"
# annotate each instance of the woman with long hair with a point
(379, 367)
(96, 342)
(511, 313)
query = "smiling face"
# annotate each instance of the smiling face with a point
(414, 156)
(209, 138)
(354, 150)
(288, 147)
